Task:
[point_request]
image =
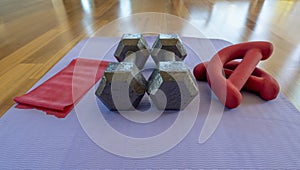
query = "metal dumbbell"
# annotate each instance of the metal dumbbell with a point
(168, 47)
(133, 48)
(171, 86)
(122, 86)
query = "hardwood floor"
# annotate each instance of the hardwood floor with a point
(35, 34)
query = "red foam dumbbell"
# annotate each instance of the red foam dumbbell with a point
(238, 75)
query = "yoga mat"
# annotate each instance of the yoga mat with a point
(257, 134)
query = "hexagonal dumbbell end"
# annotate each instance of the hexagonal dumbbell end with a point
(168, 47)
(133, 48)
(171, 86)
(122, 86)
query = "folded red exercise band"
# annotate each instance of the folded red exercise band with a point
(57, 95)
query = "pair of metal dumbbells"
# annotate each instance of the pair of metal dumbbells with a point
(171, 85)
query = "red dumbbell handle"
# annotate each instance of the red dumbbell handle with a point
(227, 91)
(259, 82)
(242, 72)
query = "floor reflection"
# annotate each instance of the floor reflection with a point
(124, 8)
(225, 20)
(87, 6)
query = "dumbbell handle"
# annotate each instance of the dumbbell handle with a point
(259, 82)
(242, 72)
(250, 52)
(228, 90)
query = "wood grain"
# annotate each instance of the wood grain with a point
(35, 35)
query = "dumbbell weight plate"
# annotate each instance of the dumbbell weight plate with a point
(133, 48)
(122, 86)
(168, 47)
(171, 86)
